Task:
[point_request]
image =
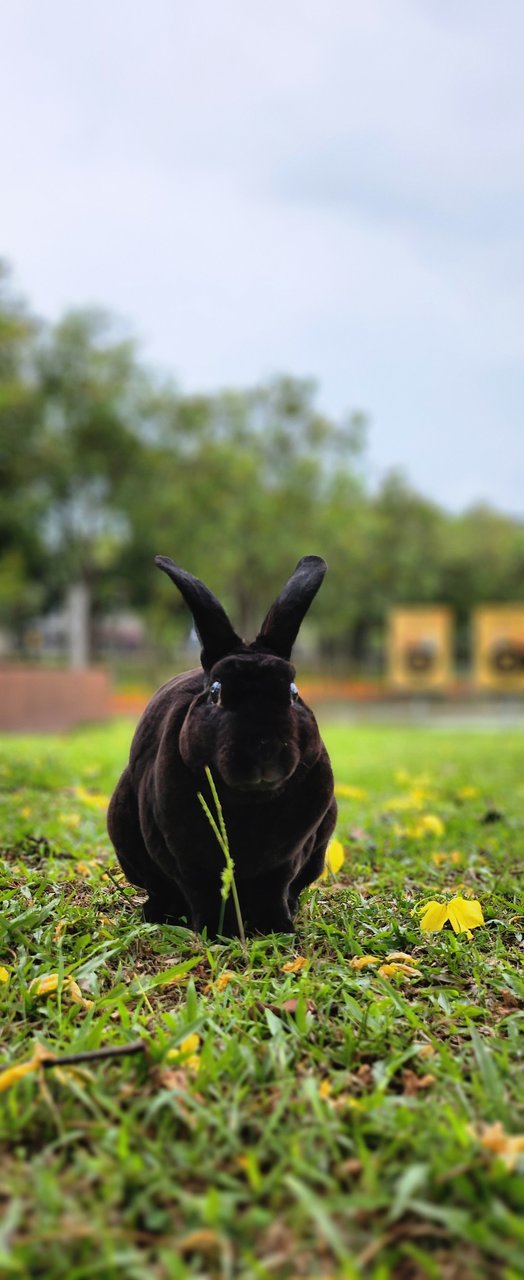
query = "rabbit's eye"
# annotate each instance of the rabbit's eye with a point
(214, 692)
(294, 692)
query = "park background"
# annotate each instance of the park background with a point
(263, 300)
(262, 296)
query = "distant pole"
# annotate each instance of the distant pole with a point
(78, 615)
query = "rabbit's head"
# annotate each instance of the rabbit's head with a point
(249, 723)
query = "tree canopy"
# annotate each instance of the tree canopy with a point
(103, 464)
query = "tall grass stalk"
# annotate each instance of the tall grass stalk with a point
(228, 885)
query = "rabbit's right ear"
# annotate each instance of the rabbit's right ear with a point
(280, 627)
(216, 635)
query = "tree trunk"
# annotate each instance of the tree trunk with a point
(78, 609)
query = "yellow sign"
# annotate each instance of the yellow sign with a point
(419, 650)
(498, 646)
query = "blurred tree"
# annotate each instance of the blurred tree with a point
(92, 393)
(21, 560)
(381, 550)
(482, 560)
(102, 466)
(240, 482)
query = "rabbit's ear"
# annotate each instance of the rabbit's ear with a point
(280, 627)
(216, 635)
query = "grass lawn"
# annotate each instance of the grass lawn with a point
(287, 1113)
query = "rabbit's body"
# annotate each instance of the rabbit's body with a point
(241, 716)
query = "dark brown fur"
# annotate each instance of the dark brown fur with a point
(270, 767)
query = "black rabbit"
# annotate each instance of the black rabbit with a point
(242, 716)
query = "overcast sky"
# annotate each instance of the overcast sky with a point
(328, 188)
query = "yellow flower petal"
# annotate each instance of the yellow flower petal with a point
(11, 1075)
(425, 1050)
(429, 824)
(434, 917)
(390, 970)
(43, 986)
(324, 1089)
(416, 798)
(190, 1044)
(334, 856)
(187, 1052)
(294, 966)
(464, 914)
(91, 798)
(224, 979)
(49, 983)
(69, 819)
(350, 793)
(73, 990)
(4, 974)
(362, 962)
(507, 1146)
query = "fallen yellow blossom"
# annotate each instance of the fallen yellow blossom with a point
(83, 868)
(416, 798)
(343, 1100)
(11, 1075)
(425, 1050)
(187, 1052)
(324, 1089)
(428, 824)
(49, 983)
(395, 960)
(224, 979)
(4, 974)
(334, 858)
(508, 1146)
(294, 966)
(346, 792)
(439, 858)
(390, 970)
(91, 798)
(463, 914)
(404, 778)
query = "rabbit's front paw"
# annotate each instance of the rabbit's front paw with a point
(158, 910)
(275, 921)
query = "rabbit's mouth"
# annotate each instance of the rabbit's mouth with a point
(262, 785)
(259, 771)
(256, 782)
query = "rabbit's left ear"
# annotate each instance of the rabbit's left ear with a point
(281, 625)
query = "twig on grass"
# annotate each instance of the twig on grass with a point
(94, 1055)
